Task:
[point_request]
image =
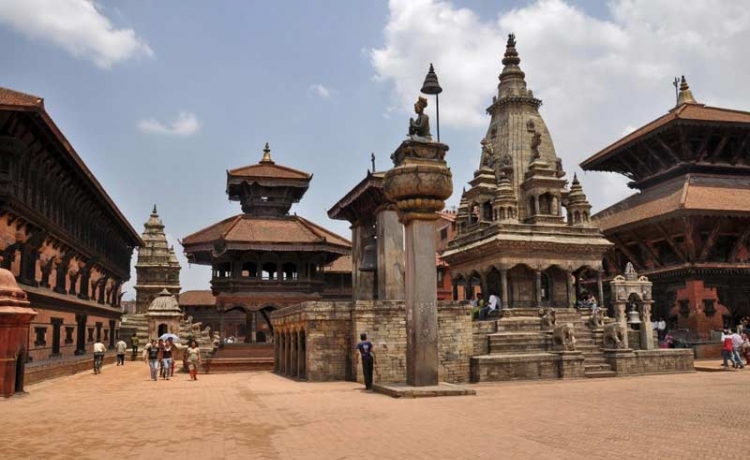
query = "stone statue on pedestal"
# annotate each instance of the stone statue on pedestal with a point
(419, 129)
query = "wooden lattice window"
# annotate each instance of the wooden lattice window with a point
(40, 332)
(685, 308)
(709, 309)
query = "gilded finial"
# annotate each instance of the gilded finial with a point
(685, 96)
(266, 155)
(154, 211)
(575, 178)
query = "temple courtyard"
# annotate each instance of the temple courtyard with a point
(122, 414)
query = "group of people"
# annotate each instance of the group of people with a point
(481, 310)
(159, 355)
(735, 347)
(660, 326)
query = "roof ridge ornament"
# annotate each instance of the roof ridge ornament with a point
(685, 96)
(267, 155)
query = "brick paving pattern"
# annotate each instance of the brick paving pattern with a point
(122, 414)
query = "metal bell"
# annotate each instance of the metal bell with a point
(431, 85)
(369, 258)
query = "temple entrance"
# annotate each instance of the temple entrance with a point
(163, 329)
(20, 370)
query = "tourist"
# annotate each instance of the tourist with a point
(475, 308)
(120, 347)
(593, 305)
(368, 359)
(727, 349)
(193, 359)
(99, 350)
(661, 328)
(746, 347)
(160, 347)
(166, 358)
(134, 342)
(152, 358)
(737, 350)
(494, 304)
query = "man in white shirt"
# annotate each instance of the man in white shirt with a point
(99, 350)
(120, 347)
(661, 328)
(494, 304)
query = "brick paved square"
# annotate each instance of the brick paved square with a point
(122, 414)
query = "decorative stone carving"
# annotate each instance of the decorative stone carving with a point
(548, 318)
(564, 338)
(614, 336)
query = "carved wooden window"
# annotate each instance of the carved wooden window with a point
(443, 234)
(708, 307)
(440, 274)
(91, 335)
(69, 334)
(685, 307)
(40, 333)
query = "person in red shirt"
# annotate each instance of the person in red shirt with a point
(727, 349)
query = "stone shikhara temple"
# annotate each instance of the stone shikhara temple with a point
(157, 267)
(687, 229)
(514, 240)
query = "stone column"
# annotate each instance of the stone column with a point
(250, 326)
(418, 184)
(621, 318)
(536, 205)
(363, 283)
(390, 235)
(538, 287)
(15, 316)
(504, 287)
(600, 287)
(647, 333)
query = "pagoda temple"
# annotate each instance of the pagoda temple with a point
(513, 239)
(687, 228)
(265, 259)
(157, 267)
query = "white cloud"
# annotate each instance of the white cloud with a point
(595, 76)
(77, 26)
(321, 91)
(186, 124)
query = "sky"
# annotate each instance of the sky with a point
(160, 98)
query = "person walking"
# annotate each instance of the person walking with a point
(120, 347)
(152, 358)
(737, 350)
(661, 329)
(99, 350)
(134, 342)
(727, 349)
(193, 359)
(166, 358)
(368, 359)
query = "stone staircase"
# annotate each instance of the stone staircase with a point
(517, 348)
(241, 357)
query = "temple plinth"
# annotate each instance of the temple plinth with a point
(418, 184)
(15, 316)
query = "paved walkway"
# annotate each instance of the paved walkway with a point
(121, 414)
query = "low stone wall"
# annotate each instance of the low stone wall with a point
(657, 361)
(332, 331)
(532, 366)
(39, 372)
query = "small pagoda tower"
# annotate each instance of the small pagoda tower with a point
(157, 267)
(264, 258)
(512, 234)
(164, 315)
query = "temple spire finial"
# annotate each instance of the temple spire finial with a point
(685, 96)
(511, 55)
(154, 211)
(266, 155)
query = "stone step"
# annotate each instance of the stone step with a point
(596, 367)
(600, 374)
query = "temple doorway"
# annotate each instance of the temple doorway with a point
(163, 329)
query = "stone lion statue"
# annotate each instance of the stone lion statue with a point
(597, 319)
(548, 317)
(613, 337)
(564, 337)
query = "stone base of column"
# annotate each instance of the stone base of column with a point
(401, 390)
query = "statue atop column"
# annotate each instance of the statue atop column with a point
(419, 129)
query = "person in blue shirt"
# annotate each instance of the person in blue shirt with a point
(368, 359)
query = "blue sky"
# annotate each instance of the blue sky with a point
(160, 98)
